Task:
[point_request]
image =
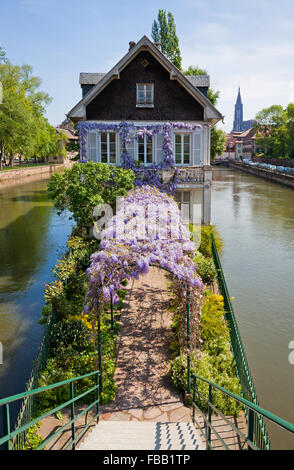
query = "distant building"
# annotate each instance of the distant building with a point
(240, 125)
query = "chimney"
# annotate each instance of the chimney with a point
(131, 45)
(158, 45)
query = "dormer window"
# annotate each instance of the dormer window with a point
(145, 95)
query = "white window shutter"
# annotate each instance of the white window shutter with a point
(159, 142)
(131, 147)
(92, 146)
(197, 149)
(118, 149)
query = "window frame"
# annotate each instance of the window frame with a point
(146, 139)
(108, 162)
(183, 134)
(144, 105)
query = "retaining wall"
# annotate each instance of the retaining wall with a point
(270, 175)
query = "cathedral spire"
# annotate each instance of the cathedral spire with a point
(238, 118)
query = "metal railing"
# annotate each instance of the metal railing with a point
(260, 436)
(26, 411)
(9, 436)
(206, 409)
(187, 174)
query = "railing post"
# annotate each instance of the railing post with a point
(188, 341)
(6, 425)
(111, 310)
(194, 398)
(72, 409)
(250, 426)
(99, 350)
(209, 417)
(97, 396)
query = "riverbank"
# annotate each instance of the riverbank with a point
(18, 175)
(270, 175)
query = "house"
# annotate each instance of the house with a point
(145, 110)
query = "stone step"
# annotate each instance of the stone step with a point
(143, 435)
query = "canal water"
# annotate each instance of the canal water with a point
(256, 221)
(32, 237)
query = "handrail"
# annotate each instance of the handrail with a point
(8, 434)
(267, 414)
(259, 432)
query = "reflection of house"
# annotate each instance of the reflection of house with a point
(143, 92)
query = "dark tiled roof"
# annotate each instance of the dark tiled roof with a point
(94, 78)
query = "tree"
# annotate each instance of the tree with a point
(218, 137)
(2, 55)
(80, 188)
(21, 113)
(164, 32)
(211, 94)
(272, 130)
(217, 142)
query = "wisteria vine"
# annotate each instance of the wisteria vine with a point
(130, 133)
(129, 246)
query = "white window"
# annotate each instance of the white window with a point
(145, 154)
(145, 93)
(197, 148)
(92, 146)
(182, 149)
(108, 147)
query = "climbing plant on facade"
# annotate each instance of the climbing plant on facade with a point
(130, 133)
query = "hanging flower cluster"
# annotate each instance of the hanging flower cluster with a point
(130, 133)
(146, 230)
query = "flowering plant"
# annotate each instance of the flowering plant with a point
(129, 246)
(130, 133)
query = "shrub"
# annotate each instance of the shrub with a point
(32, 439)
(72, 333)
(82, 187)
(212, 324)
(206, 367)
(205, 246)
(206, 268)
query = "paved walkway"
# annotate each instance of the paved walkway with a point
(143, 351)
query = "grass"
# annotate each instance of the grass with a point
(26, 165)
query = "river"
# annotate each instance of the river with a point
(256, 221)
(32, 237)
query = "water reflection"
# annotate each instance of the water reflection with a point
(32, 237)
(256, 221)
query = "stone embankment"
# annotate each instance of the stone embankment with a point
(270, 175)
(20, 175)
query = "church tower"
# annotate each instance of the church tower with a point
(238, 118)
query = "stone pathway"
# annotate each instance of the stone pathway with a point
(143, 351)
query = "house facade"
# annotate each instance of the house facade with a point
(146, 115)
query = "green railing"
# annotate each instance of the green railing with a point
(205, 406)
(26, 411)
(8, 439)
(260, 435)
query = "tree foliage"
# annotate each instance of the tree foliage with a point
(164, 32)
(23, 127)
(275, 131)
(218, 137)
(212, 95)
(80, 188)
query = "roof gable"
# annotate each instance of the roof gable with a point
(210, 112)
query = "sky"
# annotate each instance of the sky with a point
(240, 43)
